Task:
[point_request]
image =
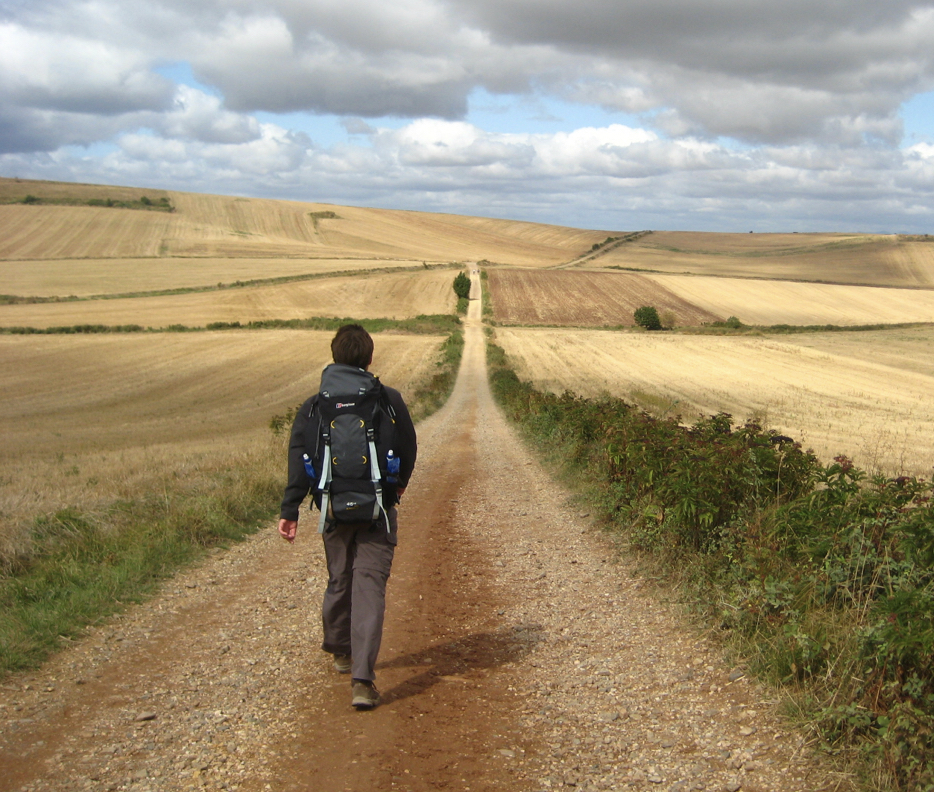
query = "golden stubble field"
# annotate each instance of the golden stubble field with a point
(771, 302)
(220, 227)
(595, 298)
(89, 419)
(866, 259)
(96, 277)
(368, 295)
(868, 395)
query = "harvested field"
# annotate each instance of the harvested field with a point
(86, 277)
(62, 232)
(452, 237)
(213, 226)
(88, 419)
(764, 302)
(387, 295)
(82, 393)
(877, 409)
(866, 259)
(15, 190)
(589, 299)
(905, 348)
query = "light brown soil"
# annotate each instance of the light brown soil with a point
(584, 299)
(519, 654)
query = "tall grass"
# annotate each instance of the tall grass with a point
(821, 577)
(433, 393)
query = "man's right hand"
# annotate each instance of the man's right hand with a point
(287, 529)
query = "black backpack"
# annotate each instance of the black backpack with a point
(349, 448)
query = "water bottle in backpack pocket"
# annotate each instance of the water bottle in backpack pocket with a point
(392, 468)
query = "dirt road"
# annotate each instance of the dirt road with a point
(519, 654)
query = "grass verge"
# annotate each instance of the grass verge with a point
(84, 566)
(820, 578)
(434, 392)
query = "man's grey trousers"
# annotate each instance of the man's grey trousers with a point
(359, 558)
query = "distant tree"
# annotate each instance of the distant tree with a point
(647, 317)
(462, 286)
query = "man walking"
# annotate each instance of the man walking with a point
(359, 554)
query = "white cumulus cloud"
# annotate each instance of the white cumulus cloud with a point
(717, 111)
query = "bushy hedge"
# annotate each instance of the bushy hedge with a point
(824, 575)
(647, 317)
(462, 286)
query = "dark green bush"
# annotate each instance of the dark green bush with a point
(462, 286)
(647, 317)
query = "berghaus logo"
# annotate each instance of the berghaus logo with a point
(341, 405)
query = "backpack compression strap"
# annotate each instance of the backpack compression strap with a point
(375, 475)
(324, 484)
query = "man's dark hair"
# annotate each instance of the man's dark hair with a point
(352, 346)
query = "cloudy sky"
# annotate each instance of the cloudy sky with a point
(730, 115)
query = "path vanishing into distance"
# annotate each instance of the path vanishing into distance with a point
(520, 653)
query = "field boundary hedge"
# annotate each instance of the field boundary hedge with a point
(424, 324)
(820, 577)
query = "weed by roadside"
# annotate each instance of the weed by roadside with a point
(434, 392)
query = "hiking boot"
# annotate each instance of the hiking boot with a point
(342, 663)
(365, 695)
